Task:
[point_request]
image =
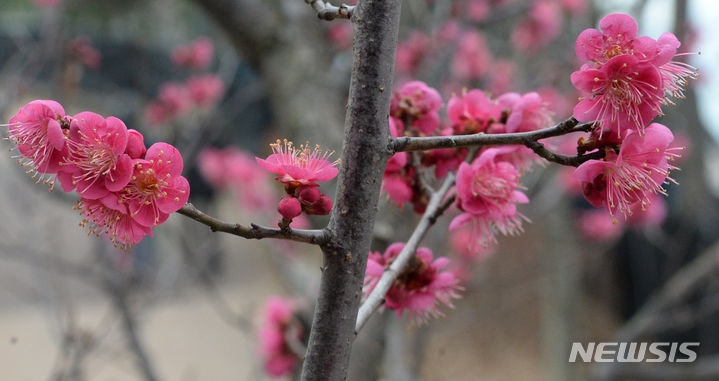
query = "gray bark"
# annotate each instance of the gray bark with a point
(365, 153)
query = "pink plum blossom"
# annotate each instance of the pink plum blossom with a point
(624, 93)
(38, 134)
(487, 194)
(194, 55)
(473, 112)
(96, 163)
(422, 287)
(633, 175)
(115, 224)
(157, 187)
(417, 106)
(301, 166)
(618, 36)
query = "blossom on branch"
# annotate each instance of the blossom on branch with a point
(487, 194)
(626, 181)
(627, 78)
(300, 168)
(421, 287)
(125, 188)
(38, 133)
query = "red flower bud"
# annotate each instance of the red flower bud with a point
(309, 195)
(135, 144)
(321, 207)
(289, 207)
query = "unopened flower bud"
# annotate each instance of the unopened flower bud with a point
(289, 207)
(322, 207)
(135, 144)
(309, 195)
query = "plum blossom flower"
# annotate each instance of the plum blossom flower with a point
(157, 187)
(38, 134)
(299, 166)
(421, 288)
(279, 325)
(194, 55)
(417, 106)
(624, 93)
(473, 112)
(527, 112)
(114, 223)
(487, 194)
(631, 176)
(618, 36)
(96, 162)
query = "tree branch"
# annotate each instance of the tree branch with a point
(437, 205)
(529, 139)
(364, 159)
(327, 11)
(254, 231)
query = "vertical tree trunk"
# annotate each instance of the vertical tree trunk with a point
(365, 153)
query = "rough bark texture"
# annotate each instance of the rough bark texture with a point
(365, 155)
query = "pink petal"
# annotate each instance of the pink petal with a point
(178, 192)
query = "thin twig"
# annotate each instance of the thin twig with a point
(437, 205)
(254, 231)
(329, 12)
(529, 139)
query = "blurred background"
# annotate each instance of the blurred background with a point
(221, 79)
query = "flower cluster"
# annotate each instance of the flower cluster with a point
(626, 78)
(415, 112)
(125, 189)
(278, 328)
(626, 181)
(487, 194)
(300, 168)
(421, 287)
